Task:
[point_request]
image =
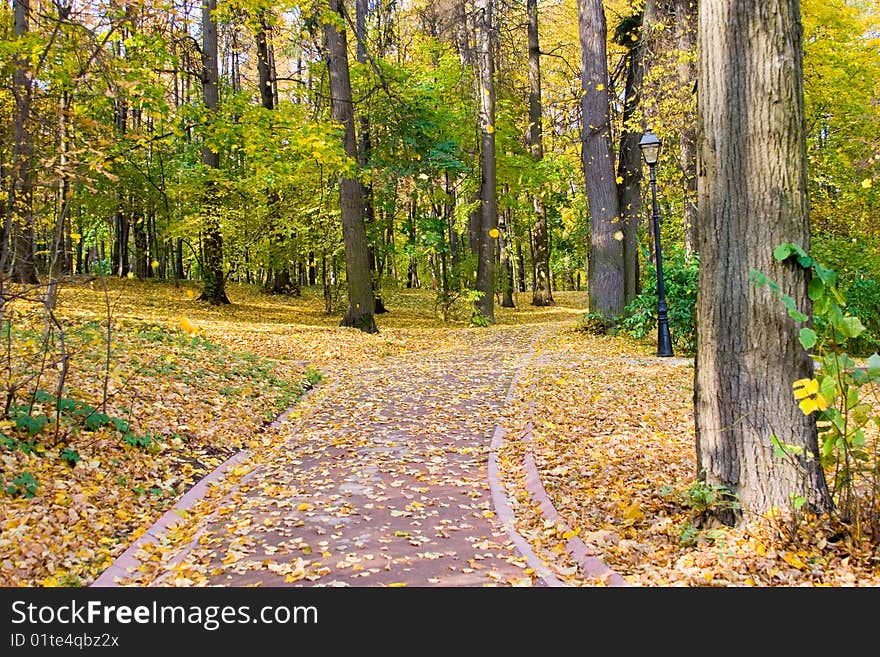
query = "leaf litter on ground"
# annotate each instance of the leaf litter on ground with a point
(609, 426)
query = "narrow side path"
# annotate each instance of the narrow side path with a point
(384, 483)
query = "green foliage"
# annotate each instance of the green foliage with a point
(680, 277)
(836, 395)
(704, 497)
(594, 324)
(145, 441)
(70, 455)
(313, 376)
(23, 485)
(478, 319)
(863, 301)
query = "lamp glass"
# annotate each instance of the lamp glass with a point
(650, 145)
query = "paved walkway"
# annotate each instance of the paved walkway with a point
(386, 481)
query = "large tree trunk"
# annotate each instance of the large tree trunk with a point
(19, 221)
(214, 281)
(605, 268)
(354, 234)
(488, 234)
(752, 196)
(542, 296)
(686, 35)
(629, 165)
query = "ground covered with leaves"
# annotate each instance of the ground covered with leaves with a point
(186, 385)
(610, 428)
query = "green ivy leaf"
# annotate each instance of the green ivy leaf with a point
(807, 338)
(850, 327)
(816, 289)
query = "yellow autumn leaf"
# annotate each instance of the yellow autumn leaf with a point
(187, 326)
(600, 87)
(805, 388)
(619, 180)
(396, 585)
(808, 405)
(490, 128)
(867, 182)
(793, 560)
(304, 506)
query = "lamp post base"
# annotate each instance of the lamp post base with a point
(664, 340)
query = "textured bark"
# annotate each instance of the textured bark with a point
(214, 281)
(542, 295)
(354, 235)
(686, 36)
(752, 196)
(279, 276)
(19, 220)
(629, 164)
(485, 305)
(362, 10)
(506, 261)
(605, 264)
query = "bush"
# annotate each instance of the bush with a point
(863, 301)
(594, 324)
(680, 276)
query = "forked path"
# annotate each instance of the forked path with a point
(384, 481)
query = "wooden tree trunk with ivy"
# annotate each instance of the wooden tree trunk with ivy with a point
(542, 294)
(357, 264)
(214, 280)
(605, 268)
(752, 191)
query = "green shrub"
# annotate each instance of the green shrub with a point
(863, 301)
(594, 323)
(680, 276)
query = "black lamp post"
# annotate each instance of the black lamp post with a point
(650, 146)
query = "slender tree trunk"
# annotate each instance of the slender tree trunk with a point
(605, 269)
(19, 220)
(214, 280)
(542, 296)
(357, 264)
(279, 280)
(364, 147)
(506, 261)
(488, 234)
(629, 165)
(686, 34)
(752, 196)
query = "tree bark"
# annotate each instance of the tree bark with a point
(488, 234)
(357, 265)
(605, 262)
(629, 164)
(214, 281)
(686, 35)
(752, 196)
(19, 220)
(542, 296)
(506, 261)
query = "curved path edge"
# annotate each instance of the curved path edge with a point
(127, 563)
(590, 565)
